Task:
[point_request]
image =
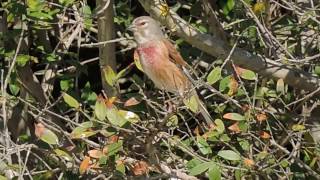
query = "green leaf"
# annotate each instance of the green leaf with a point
(83, 131)
(14, 89)
(229, 155)
(317, 70)
(224, 83)
(72, 102)
(298, 127)
(66, 84)
(115, 118)
(248, 75)
(22, 59)
(200, 168)
(78, 134)
(49, 137)
(130, 116)
(172, 121)
(219, 125)
(234, 116)
(110, 75)
(204, 147)
(227, 6)
(114, 148)
(193, 163)
(66, 2)
(192, 103)
(86, 13)
(63, 154)
(214, 172)
(214, 75)
(100, 110)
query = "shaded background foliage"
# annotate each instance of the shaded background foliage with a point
(60, 120)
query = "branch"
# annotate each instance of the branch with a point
(216, 47)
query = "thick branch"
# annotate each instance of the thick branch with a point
(219, 48)
(107, 52)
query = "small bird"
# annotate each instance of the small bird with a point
(162, 63)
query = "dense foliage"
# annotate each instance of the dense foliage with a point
(68, 113)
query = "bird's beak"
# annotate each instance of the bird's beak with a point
(132, 28)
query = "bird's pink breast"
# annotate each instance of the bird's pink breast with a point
(150, 54)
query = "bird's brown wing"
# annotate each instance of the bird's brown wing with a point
(174, 55)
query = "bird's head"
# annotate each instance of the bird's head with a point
(145, 29)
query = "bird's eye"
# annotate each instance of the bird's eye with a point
(142, 23)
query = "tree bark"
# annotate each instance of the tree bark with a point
(106, 53)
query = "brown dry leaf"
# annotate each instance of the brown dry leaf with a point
(84, 166)
(245, 107)
(238, 70)
(131, 102)
(261, 117)
(248, 162)
(196, 131)
(233, 86)
(113, 139)
(105, 150)
(235, 127)
(95, 153)
(264, 135)
(39, 129)
(140, 168)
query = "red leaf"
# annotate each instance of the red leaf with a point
(140, 168)
(95, 153)
(235, 127)
(264, 135)
(261, 117)
(84, 166)
(131, 102)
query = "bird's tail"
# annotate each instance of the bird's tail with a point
(204, 112)
(194, 103)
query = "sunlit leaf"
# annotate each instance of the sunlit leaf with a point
(109, 75)
(115, 118)
(219, 125)
(72, 102)
(100, 109)
(192, 103)
(130, 116)
(248, 74)
(214, 75)
(298, 127)
(229, 155)
(172, 121)
(259, 7)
